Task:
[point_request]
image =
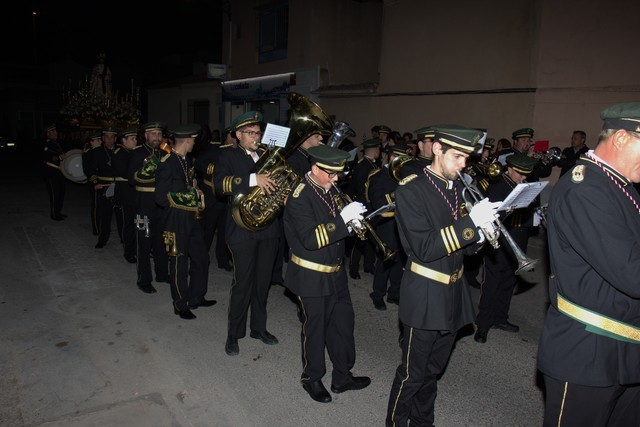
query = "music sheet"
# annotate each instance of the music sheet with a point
(275, 135)
(522, 195)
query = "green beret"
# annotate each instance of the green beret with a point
(372, 143)
(458, 137)
(151, 126)
(109, 130)
(95, 135)
(398, 149)
(129, 131)
(384, 129)
(425, 132)
(522, 133)
(521, 163)
(622, 116)
(185, 131)
(329, 158)
(50, 126)
(246, 119)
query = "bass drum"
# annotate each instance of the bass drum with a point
(71, 166)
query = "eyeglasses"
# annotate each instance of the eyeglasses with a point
(252, 132)
(330, 174)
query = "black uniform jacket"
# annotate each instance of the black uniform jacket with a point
(569, 158)
(382, 191)
(231, 178)
(314, 234)
(358, 178)
(593, 232)
(172, 176)
(414, 166)
(518, 218)
(52, 152)
(205, 165)
(432, 238)
(125, 193)
(299, 162)
(142, 169)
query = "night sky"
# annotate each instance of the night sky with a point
(78, 30)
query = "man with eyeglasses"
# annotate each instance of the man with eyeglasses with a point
(253, 252)
(316, 231)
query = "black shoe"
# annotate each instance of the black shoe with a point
(203, 303)
(147, 289)
(185, 314)
(378, 303)
(63, 216)
(369, 270)
(265, 337)
(481, 335)
(131, 259)
(227, 267)
(395, 301)
(231, 347)
(354, 275)
(356, 383)
(317, 391)
(163, 279)
(100, 245)
(57, 217)
(506, 326)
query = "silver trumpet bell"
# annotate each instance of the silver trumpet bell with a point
(471, 196)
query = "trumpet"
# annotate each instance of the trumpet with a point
(550, 157)
(169, 239)
(492, 169)
(201, 205)
(524, 263)
(361, 227)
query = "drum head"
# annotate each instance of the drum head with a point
(71, 166)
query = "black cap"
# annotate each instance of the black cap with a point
(129, 131)
(460, 138)
(185, 131)
(622, 116)
(398, 149)
(522, 133)
(425, 132)
(246, 119)
(109, 130)
(521, 163)
(384, 129)
(50, 126)
(372, 143)
(329, 158)
(150, 126)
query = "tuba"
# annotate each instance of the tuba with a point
(340, 131)
(396, 165)
(256, 210)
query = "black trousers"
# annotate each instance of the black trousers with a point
(189, 270)
(105, 207)
(569, 405)
(362, 248)
(252, 267)
(424, 356)
(128, 229)
(55, 183)
(387, 272)
(94, 216)
(328, 322)
(213, 223)
(146, 245)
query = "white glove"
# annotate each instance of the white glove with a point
(484, 212)
(536, 218)
(353, 210)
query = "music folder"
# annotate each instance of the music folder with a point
(275, 135)
(522, 195)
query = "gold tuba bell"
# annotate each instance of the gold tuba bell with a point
(256, 210)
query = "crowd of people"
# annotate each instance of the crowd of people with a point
(424, 241)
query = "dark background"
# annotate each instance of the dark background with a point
(150, 41)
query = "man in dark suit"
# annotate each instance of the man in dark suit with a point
(125, 195)
(570, 155)
(54, 180)
(316, 231)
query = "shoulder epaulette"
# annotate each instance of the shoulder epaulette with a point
(137, 146)
(408, 179)
(227, 146)
(116, 150)
(298, 189)
(373, 172)
(577, 174)
(165, 157)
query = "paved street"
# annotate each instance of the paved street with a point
(81, 345)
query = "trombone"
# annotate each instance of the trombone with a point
(362, 227)
(524, 263)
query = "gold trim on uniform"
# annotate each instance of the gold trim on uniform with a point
(227, 184)
(468, 233)
(210, 169)
(310, 265)
(450, 239)
(321, 236)
(121, 179)
(145, 189)
(53, 165)
(298, 190)
(597, 320)
(331, 227)
(207, 182)
(577, 174)
(445, 279)
(408, 179)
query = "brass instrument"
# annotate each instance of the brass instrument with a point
(169, 239)
(492, 169)
(524, 263)
(550, 157)
(256, 210)
(201, 205)
(396, 164)
(361, 227)
(340, 131)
